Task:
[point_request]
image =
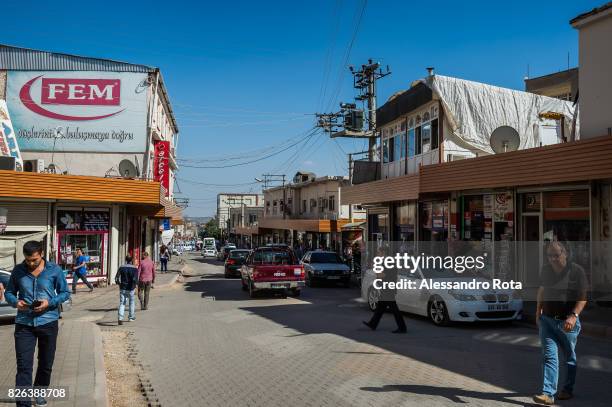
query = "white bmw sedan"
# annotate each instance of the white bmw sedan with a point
(442, 306)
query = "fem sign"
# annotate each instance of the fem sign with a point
(79, 111)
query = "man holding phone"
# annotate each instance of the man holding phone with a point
(36, 288)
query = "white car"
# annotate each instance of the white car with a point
(209, 252)
(442, 306)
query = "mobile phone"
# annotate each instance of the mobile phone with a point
(36, 304)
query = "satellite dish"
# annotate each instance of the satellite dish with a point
(127, 169)
(505, 139)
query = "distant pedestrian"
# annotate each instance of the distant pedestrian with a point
(146, 279)
(164, 256)
(561, 298)
(36, 288)
(127, 279)
(387, 300)
(79, 271)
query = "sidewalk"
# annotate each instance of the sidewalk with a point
(79, 359)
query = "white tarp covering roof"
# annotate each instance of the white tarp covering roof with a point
(474, 110)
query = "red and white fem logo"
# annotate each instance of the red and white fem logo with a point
(72, 92)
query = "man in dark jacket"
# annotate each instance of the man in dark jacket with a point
(127, 279)
(387, 301)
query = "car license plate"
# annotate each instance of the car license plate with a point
(279, 285)
(498, 307)
(333, 277)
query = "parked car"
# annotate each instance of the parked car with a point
(7, 311)
(442, 306)
(234, 262)
(271, 268)
(225, 250)
(209, 252)
(322, 266)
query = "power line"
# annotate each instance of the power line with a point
(248, 162)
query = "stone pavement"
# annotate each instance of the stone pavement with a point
(79, 362)
(207, 343)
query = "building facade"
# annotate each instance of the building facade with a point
(228, 200)
(81, 122)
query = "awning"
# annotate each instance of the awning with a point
(11, 247)
(354, 226)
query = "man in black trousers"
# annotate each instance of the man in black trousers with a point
(387, 301)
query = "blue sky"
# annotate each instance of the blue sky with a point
(244, 76)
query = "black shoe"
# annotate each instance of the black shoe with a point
(120, 322)
(373, 328)
(399, 331)
(91, 289)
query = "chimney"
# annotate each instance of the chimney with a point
(430, 70)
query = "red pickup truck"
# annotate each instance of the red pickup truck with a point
(272, 268)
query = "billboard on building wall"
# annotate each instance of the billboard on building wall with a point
(78, 111)
(8, 142)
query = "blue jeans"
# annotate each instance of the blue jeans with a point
(26, 338)
(553, 338)
(164, 264)
(124, 297)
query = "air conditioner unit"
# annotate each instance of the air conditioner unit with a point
(37, 165)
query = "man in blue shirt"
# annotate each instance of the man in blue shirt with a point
(36, 288)
(79, 270)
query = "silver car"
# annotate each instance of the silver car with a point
(320, 266)
(6, 310)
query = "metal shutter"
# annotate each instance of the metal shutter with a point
(26, 213)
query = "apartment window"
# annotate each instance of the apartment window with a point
(252, 218)
(403, 146)
(313, 203)
(386, 151)
(304, 206)
(332, 203)
(435, 138)
(411, 143)
(397, 147)
(426, 138)
(417, 141)
(274, 203)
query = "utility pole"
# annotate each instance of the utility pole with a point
(351, 124)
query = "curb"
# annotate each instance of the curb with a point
(587, 328)
(100, 387)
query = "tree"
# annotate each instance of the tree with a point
(211, 229)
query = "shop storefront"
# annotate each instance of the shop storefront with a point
(404, 221)
(434, 218)
(379, 226)
(487, 216)
(85, 229)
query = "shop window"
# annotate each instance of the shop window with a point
(531, 202)
(405, 221)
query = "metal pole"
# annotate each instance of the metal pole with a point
(372, 108)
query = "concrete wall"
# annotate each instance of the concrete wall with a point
(595, 79)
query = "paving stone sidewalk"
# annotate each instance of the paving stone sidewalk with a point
(79, 359)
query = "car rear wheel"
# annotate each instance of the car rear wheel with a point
(373, 298)
(309, 280)
(437, 311)
(295, 292)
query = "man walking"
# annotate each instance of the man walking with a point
(79, 271)
(146, 279)
(127, 279)
(164, 256)
(36, 288)
(561, 298)
(387, 301)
